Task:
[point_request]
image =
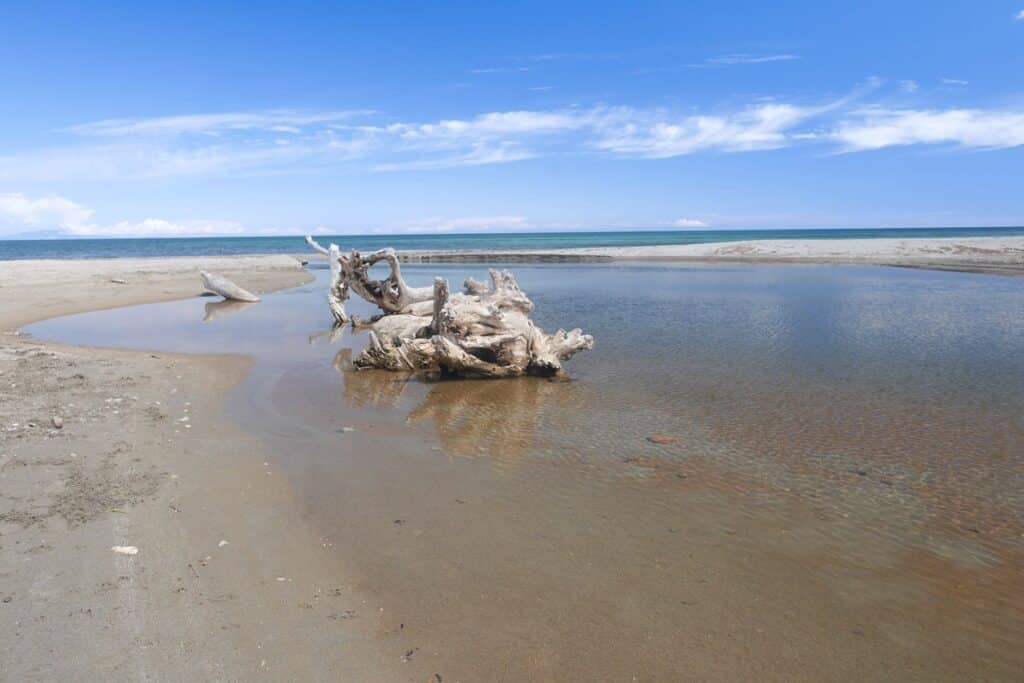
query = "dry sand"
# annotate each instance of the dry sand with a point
(102, 448)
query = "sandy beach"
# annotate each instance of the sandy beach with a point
(998, 255)
(433, 565)
(103, 448)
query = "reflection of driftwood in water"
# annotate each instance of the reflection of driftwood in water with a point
(472, 418)
(372, 387)
(343, 361)
(221, 309)
(496, 419)
(332, 335)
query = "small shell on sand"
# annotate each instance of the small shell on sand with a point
(125, 549)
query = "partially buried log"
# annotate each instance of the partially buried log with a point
(485, 331)
(219, 284)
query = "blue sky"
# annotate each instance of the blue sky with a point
(268, 118)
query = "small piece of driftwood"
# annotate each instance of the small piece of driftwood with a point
(218, 284)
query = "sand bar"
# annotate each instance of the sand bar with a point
(1001, 255)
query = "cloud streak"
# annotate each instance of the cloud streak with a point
(736, 60)
(690, 223)
(283, 121)
(874, 129)
(284, 141)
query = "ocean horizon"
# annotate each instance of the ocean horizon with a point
(114, 247)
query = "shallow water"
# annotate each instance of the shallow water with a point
(846, 493)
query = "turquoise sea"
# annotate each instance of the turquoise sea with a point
(206, 246)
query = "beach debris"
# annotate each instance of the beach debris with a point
(125, 549)
(663, 439)
(57, 421)
(218, 284)
(345, 614)
(222, 544)
(485, 331)
(347, 430)
(118, 281)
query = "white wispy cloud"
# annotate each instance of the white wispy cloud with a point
(276, 120)
(877, 128)
(261, 142)
(1020, 15)
(500, 70)
(158, 227)
(460, 225)
(20, 213)
(690, 223)
(733, 59)
(908, 86)
(953, 81)
(768, 126)
(51, 211)
(479, 155)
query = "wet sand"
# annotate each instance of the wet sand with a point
(421, 547)
(145, 457)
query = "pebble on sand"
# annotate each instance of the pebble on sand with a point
(125, 549)
(58, 421)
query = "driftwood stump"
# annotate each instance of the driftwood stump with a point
(484, 331)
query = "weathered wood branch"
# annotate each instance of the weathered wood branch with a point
(484, 332)
(351, 271)
(219, 284)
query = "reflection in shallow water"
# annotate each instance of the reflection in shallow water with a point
(221, 309)
(856, 434)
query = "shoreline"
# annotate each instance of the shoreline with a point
(994, 255)
(102, 448)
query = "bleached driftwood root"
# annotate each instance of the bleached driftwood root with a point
(484, 332)
(219, 284)
(352, 272)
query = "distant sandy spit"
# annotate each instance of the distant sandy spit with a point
(33, 290)
(953, 253)
(1002, 255)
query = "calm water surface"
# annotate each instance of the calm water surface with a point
(846, 494)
